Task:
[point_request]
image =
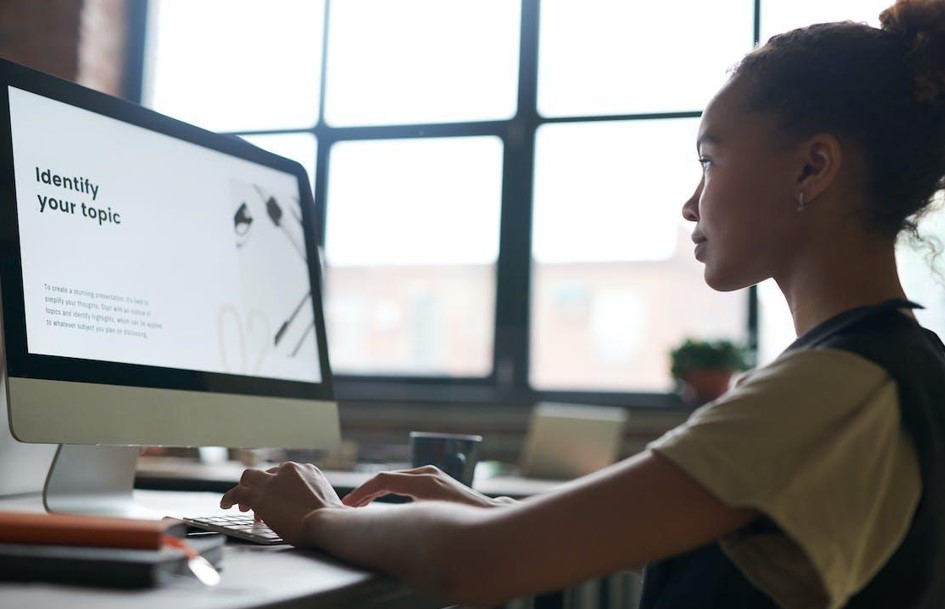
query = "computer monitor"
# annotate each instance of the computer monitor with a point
(160, 286)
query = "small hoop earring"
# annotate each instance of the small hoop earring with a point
(801, 205)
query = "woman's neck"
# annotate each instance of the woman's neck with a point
(837, 277)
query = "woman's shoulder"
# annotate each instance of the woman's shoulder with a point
(837, 379)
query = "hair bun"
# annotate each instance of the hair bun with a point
(920, 25)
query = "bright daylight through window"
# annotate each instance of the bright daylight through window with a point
(501, 181)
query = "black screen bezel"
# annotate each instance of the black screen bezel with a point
(21, 363)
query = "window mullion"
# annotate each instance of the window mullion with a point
(513, 269)
(753, 309)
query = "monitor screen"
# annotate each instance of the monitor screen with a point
(160, 283)
(134, 243)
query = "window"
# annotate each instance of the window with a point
(500, 181)
(421, 61)
(779, 16)
(614, 283)
(612, 57)
(231, 65)
(411, 252)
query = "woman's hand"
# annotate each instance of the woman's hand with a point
(282, 497)
(421, 483)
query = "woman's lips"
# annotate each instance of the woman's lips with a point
(700, 247)
(700, 242)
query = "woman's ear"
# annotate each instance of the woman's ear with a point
(821, 157)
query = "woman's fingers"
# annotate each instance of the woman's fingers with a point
(241, 496)
(247, 493)
(229, 498)
(370, 490)
(421, 483)
(408, 483)
(426, 482)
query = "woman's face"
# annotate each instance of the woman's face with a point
(745, 205)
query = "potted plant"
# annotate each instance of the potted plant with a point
(703, 369)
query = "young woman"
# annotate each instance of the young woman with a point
(819, 481)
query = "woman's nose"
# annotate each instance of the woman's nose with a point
(690, 209)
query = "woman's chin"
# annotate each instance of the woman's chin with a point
(724, 282)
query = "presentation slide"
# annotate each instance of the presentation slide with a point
(143, 249)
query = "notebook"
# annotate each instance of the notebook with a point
(103, 567)
(103, 551)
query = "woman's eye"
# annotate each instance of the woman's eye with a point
(705, 162)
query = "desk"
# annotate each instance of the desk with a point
(618, 591)
(252, 576)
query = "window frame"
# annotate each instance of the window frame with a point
(508, 382)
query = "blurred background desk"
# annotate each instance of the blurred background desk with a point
(170, 473)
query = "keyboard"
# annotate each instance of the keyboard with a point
(241, 526)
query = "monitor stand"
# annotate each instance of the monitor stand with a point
(94, 480)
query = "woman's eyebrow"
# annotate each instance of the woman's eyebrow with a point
(707, 138)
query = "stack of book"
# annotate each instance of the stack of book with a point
(103, 551)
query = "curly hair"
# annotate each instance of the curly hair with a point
(881, 90)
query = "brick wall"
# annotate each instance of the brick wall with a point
(79, 40)
(103, 37)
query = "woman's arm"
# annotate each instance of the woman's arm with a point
(625, 516)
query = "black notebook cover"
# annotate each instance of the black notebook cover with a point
(108, 567)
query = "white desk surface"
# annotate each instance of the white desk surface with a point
(252, 576)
